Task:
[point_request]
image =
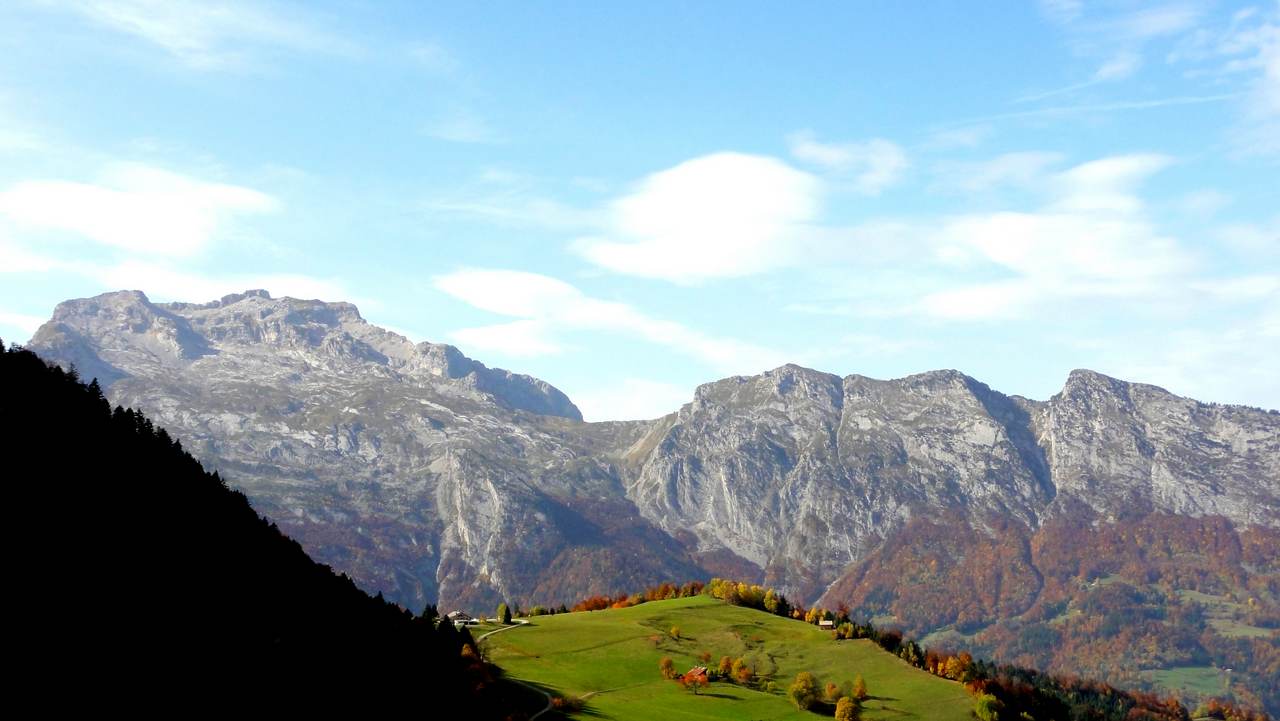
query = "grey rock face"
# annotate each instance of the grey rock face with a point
(1129, 448)
(803, 472)
(426, 475)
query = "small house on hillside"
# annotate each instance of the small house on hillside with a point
(827, 624)
(461, 618)
(695, 672)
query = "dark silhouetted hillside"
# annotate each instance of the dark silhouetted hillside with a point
(139, 577)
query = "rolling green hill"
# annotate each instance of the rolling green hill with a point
(611, 658)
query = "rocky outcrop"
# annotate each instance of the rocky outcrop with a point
(1132, 449)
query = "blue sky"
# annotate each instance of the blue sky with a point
(630, 202)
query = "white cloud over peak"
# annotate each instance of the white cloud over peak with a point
(869, 166)
(135, 208)
(548, 308)
(717, 216)
(1092, 240)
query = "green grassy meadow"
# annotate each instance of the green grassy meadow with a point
(611, 658)
(1204, 680)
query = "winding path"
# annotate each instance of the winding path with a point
(517, 623)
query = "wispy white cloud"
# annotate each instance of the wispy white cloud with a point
(506, 197)
(208, 35)
(869, 166)
(547, 308)
(1112, 107)
(137, 208)
(717, 216)
(1113, 43)
(1119, 67)
(1260, 46)
(1091, 240)
(1151, 22)
(1122, 66)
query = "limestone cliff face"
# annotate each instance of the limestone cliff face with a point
(802, 473)
(1129, 448)
(426, 475)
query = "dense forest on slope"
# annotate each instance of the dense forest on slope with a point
(1156, 601)
(138, 573)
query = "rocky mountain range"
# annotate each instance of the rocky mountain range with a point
(428, 476)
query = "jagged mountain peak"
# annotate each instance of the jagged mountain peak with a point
(1083, 379)
(249, 335)
(120, 301)
(789, 389)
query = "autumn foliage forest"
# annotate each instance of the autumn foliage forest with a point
(1118, 600)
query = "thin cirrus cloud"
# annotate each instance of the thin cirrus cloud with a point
(722, 215)
(135, 208)
(1259, 131)
(211, 36)
(1113, 45)
(545, 308)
